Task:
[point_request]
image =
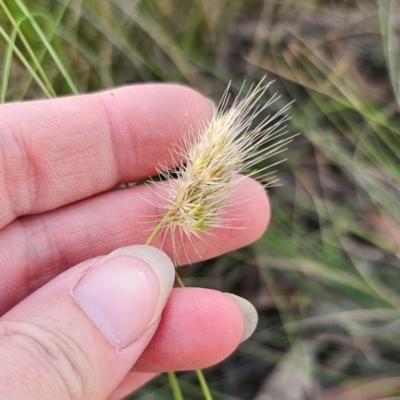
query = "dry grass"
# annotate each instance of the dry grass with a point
(325, 278)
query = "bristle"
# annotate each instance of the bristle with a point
(227, 146)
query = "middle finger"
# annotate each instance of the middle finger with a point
(37, 248)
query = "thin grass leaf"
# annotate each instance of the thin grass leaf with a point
(389, 14)
(48, 45)
(24, 61)
(28, 49)
(118, 36)
(7, 65)
(57, 21)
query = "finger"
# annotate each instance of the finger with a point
(41, 247)
(200, 327)
(131, 382)
(79, 336)
(54, 152)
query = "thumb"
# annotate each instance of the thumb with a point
(79, 335)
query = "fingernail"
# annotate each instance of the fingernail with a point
(125, 292)
(249, 314)
(212, 103)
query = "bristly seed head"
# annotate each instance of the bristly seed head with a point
(228, 145)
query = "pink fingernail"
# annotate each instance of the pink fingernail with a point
(249, 314)
(121, 296)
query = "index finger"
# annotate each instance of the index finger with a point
(55, 152)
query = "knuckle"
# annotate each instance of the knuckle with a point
(56, 359)
(18, 170)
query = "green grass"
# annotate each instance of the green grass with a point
(7, 64)
(327, 271)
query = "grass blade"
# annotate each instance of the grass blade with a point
(7, 66)
(28, 48)
(24, 61)
(49, 47)
(42, 52)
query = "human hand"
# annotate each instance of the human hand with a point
(95, 331)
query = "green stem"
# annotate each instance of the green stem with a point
(203, 384)
(179, 279)
(176, 390)
(171, 375)
(156, 230)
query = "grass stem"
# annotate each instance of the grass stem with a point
(203, 384)
(176, 390)
(171, 375)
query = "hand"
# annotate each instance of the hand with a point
(78, 324)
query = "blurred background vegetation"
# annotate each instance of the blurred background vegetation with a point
(325, 278)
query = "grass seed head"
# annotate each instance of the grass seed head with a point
(230, 144)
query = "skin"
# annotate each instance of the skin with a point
(59, 160)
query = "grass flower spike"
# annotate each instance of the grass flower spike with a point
(229, 145)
